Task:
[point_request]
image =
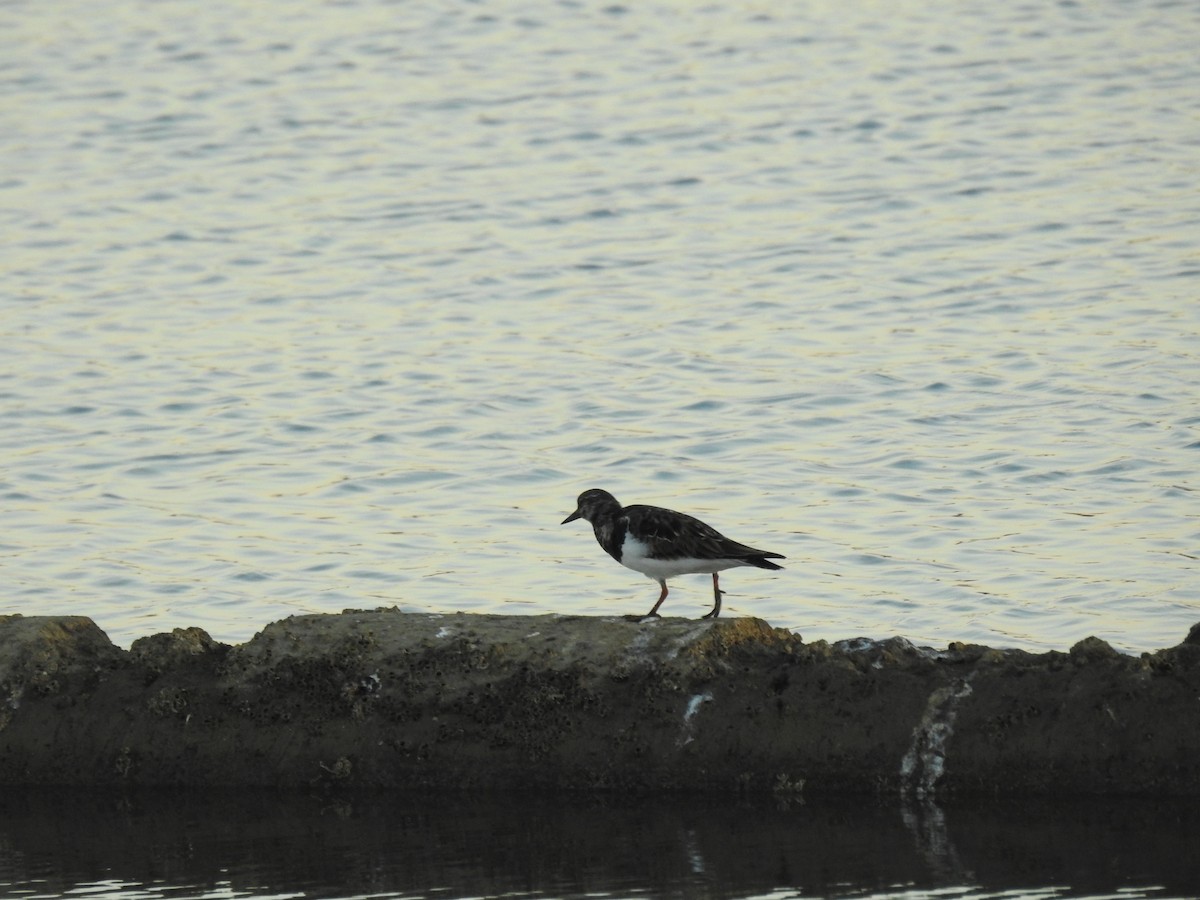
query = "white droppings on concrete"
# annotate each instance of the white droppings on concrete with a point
(688, 639)
(687, 734)
(925, 762)
(855, 645)
(693, 706)
(639, 645)
(895, 645)
(371, 684)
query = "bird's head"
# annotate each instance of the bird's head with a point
(593, 504)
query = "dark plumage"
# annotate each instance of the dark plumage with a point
(661, 543)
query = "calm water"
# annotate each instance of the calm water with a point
(149, 847)
(324, 305)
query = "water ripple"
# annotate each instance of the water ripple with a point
(296, 324)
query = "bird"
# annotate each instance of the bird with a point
(662, 543)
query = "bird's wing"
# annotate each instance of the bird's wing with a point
(672, 535)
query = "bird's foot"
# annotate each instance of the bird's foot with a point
(645, 618)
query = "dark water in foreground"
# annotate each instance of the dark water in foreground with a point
(58, 844)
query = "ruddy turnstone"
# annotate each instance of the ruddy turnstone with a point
(661, 543)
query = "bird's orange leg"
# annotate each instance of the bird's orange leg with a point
(661, 598)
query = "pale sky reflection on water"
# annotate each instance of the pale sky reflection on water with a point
(342, 306)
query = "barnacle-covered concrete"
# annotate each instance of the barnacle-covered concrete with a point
(385, 699)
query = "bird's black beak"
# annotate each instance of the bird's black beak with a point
(571, 518)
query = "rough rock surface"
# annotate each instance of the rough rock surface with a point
(373, 699)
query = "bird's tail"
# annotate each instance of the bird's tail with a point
(763, 560)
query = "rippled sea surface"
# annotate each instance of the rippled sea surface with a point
(325, 305)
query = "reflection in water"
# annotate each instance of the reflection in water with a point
(234, 844)
(927, 824)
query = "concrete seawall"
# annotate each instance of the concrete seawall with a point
(384, 699)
